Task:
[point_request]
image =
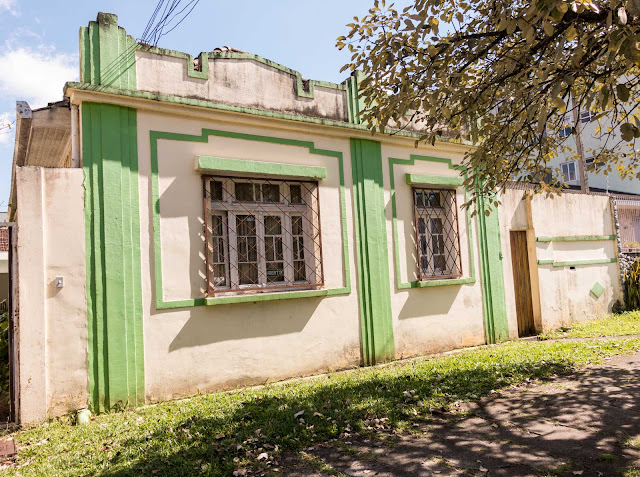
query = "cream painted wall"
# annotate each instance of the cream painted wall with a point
(564, 293)
(248, 82)
(428, 320)
(51, 242)
(199, 349)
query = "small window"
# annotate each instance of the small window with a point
(569, 173)
(437, 234)
(587, 116)
(593, 165)
(261, 235)
(564, 131)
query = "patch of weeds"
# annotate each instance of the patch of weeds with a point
(630, 472)
(633, 442)
(555, 471)
(606, 458)
(626, 323)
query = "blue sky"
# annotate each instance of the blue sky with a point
(40, 43)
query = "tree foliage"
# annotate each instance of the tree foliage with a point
(505, 75)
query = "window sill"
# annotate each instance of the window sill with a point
(438, 283)
(261, 297)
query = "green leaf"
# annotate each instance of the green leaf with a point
(623, 92)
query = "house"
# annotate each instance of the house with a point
(187, 225)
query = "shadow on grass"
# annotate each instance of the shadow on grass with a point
(207, 441)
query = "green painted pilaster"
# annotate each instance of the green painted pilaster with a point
(114, 284)
(493, 293)
(371, 248)
(107, 54)
(355, 103)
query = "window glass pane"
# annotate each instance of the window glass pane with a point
(219, 251)
(296, 225)
(270, 192)
(299, 271)
(272, 225)
(245, 192)
(434, 199)
(422, 226)
(248, 273)
(436, 226)
(247, 249)
(296, 193)
(419, 199)
(216, 190)
(275, 272)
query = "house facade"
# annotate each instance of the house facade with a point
(188, 225)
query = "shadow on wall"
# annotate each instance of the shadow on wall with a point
(430, 302)
(215, 324)
(173, 207)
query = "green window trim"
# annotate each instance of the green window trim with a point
(449, 181)
(576, 238)
(161, 304)
(578, 263)
(428, 283)
(210, 164)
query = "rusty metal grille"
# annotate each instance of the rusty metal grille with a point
(261, 235)
(437, 235)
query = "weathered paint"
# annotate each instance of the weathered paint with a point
(494, 300)
(107, 54)
(110, 161)
(52, 368)
(567, 269)
(155, 136)
(371, 239)
(452, 180)
(576, 238)
(256, 339)
(597, 290)
(207, 163)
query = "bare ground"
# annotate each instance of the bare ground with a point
(584, 424)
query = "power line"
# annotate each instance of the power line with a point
(159, 22)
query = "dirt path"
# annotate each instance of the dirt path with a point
(585, 424)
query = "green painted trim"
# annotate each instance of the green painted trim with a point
(417, 179)
(114, 282)
(161, 304)
(578, 263)
(207, 163)
(145, 95)
(493, 291)
(371, 252)
(394, 220)
(597, 290)
(576, 238)
(107, 54)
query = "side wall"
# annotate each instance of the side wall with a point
(52, 326)
(575, 252)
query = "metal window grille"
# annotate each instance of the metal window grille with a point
(437, 235)
(261, 235)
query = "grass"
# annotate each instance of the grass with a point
(627, 323)
(217, 433)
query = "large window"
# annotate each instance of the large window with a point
(261, 235)
(437, 236)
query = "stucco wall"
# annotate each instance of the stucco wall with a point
(565, 295)
(428, 320)
(204, 348)
(241, 82)
(52, 326)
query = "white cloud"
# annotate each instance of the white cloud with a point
(11, 6)
(35, 75)
(6, 127)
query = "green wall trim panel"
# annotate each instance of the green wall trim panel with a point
(394, 219)
(576, 238)
(114, 283)
(145, 95)
(371, 252)
(493, 291)
(208, 163)
(161, 304)
(107, 54)
(578, 263)
(418, 179)
(597, 290)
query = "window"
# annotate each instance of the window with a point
(587, 116)
(569, 171)
(593, 165)
(564, 131)
(437, 237)
(261, 235)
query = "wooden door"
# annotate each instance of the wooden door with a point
(522, 283)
